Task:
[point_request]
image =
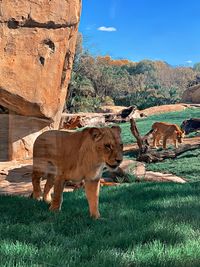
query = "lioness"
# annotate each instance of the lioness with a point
(166, 131)
(75, 156)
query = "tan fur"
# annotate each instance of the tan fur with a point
(73, 123)
(78, 156)
(166, 131)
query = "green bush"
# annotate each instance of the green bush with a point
(85, 104)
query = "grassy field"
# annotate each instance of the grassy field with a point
(142, 224)
(186, 165)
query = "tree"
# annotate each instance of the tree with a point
(197, 67)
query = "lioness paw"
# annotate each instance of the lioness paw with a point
(95, 216)
(36, 196)
(47, 199)
(54, 208)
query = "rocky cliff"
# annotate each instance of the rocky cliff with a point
(36, 53)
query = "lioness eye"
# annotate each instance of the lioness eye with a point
(108, 146)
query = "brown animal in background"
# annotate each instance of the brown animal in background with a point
(73, 123)
(75, 156)
(166, 131)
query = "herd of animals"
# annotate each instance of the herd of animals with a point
(81, 156)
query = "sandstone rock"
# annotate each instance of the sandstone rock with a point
(4, 137)
(192, 94)
(37, 45)
(163, 177)
(56, 13)
(163, 109)
(122, 173)
(36, 54)
(17, 136)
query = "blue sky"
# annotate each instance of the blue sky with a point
(166, 30)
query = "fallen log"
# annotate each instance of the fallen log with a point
(124, 115)
(156, 156)
(148, 155)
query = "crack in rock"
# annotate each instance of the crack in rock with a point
(30, 23)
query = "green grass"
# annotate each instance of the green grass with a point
(142, 225)
(186, 165)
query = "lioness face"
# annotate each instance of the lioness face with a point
(113, 148)
(110, 146)
(180, 135)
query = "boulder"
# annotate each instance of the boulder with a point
(192, 94)
(163, 109)
(18, 134)
(36, 54)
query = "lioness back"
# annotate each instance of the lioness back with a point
(164, 127)
(55, 144)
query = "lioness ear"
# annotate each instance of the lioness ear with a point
(96, 134)
(117, 129)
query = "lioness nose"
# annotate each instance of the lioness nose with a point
(118, 161)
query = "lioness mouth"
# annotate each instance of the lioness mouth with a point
(112, 166)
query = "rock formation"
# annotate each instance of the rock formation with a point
(192, 94)
(36, 53)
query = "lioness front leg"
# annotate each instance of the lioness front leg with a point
(47, 188)
(154, 142)
(175, 143)
(58, 192)
(158, 140)
(165, 142)
(36, 177)
(92, 194)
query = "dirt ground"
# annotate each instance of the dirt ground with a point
(15, 178)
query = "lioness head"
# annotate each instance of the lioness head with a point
(180, 135)
(109, 145)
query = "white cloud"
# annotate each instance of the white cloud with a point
(189, 61)
(107, 29)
